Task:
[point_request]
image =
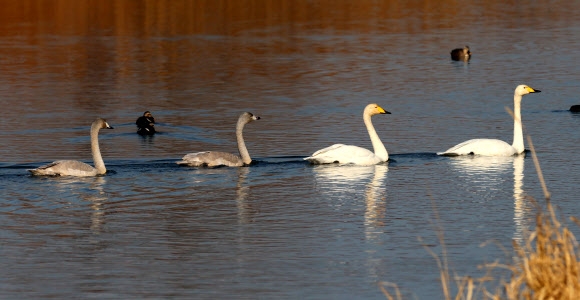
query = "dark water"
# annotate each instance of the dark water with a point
(280, 228)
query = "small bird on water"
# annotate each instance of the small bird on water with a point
(146, 124)
(461, 53)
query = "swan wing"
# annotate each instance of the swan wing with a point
(486, 147)
(211, 159)
(328, 149)
(65, 168)
(344, 154)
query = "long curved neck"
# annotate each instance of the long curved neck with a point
(378, 147)
(97, 158)
(518, 143)
(241, 144)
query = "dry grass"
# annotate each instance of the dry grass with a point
(546, 266)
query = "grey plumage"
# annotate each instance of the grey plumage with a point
(59, 167)
(211, 159)
(77, 168)
(215, 158)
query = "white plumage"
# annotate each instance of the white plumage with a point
(348, 154)
(493, 147)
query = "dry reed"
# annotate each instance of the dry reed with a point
(546, 266)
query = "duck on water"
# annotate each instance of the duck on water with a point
(461, 54)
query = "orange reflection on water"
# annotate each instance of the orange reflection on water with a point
(232, 18)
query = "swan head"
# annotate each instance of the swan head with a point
(523, 89)
(101, 123)
(248, 117)
(374, 109)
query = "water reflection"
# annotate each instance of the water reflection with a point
(476, 164)
(487, 171)
(341, 182)
(375, 198)
(97, 200)
(90, 190)
(242, 192)
(344, 183)
(522, 209)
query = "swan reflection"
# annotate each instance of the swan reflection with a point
(90, 189)
(242, 192)
(523, 210)
(481, 164)
(485, 173)
(489, 173)
(375, 198)
(345, 183)
(97, 200)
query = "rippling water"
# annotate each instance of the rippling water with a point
(280, 228)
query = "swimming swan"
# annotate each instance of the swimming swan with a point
(77, 168)
(213, 158)
(347, 154)
(493, 147)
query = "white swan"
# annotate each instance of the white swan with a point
(347, 154)
(213, 158)
(493, 147)
(77, 168)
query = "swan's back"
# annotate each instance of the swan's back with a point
(65, 168)
(344, 154)
(486, 147)
(211, 159)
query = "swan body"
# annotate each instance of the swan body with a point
(77, 168)
(493, 147)
(461, 53)
(215, 158)
(348, 154)
(486, 147)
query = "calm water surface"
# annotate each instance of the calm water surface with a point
(280, 228)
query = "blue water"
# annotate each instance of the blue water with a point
(281, 228)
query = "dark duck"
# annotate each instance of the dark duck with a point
(461, 54)
(146, 124)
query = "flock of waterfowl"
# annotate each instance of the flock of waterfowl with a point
(337, 153)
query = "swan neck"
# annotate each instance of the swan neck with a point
(241, 144)
(378, 146)
(518, 143)
(97, 158)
